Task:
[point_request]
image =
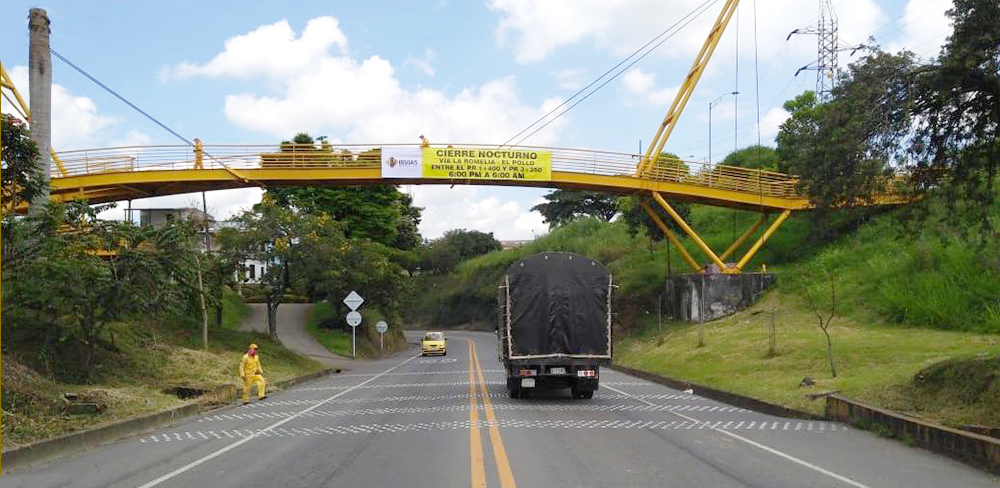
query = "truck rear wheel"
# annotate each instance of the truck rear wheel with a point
(514, 392)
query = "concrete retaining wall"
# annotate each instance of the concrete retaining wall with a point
(703, 297)
(972, 448)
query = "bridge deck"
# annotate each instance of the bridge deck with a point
(103, 175)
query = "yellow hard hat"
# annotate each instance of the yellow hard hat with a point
(253, 346)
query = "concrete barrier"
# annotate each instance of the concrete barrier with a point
(44, 450)
(720, 395)
(975, 449)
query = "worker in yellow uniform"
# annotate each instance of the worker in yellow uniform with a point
(252, 374)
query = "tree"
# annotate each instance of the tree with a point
(562, 206)
(443, 254)
(823, 323)
(60, 294)
(20, 179)
(754, 157)
(845, 150)
(266, 234)
(378, 212)
(957, 106)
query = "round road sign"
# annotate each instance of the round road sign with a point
(381, 326)
(353, 319)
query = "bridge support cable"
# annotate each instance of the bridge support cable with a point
(680, 101)
(760, 242)
(739, 242)
(671, 237)
(124, 100)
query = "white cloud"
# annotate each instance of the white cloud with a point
(271, 51)
(771, 122)
(640, 86)
(132, 138)
(536, 29)
(358, 100)
(76, 123)
(570, 79)
(423, 64)
(462, 207)
(925, 27)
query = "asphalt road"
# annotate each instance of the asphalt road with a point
(292, 333)
(405, 422)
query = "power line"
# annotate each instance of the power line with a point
(694, 14)
(685, 20)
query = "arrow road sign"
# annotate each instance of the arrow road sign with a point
(381, 326)
(353, 319)
(354, 300)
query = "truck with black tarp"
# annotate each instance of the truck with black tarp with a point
(554, 323)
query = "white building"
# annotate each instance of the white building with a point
(158, 217)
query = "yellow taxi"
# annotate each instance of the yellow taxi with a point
(434, 343)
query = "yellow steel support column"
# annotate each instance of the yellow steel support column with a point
(7, 83)
(671, 237)
(198, 152)
(674, 113)
(760, 242)
(739, 242)
(690, 232)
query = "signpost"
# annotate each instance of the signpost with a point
(353, 300)
(381, 327)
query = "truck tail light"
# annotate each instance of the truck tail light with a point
(586, 373)
(527, 372)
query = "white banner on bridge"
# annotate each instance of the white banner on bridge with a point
(402, 162)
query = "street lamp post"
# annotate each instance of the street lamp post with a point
(711, 104)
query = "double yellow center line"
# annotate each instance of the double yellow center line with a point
(477, 463)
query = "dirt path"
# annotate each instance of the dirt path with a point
(292, 332)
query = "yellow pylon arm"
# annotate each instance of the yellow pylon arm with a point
(690, 232)
(760, 242)
(667, 126)
(671, 237)
(7, 83)
(739, 242)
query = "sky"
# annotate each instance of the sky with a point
(378, 72)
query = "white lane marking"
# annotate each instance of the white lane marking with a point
(760, 446)
(382, 428)
(279, 423)
(594, 407)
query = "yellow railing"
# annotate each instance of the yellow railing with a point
(306, 157)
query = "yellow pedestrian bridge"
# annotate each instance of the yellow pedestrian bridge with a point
(126, 173)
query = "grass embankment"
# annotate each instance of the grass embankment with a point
(898, 293)
(323, 316)
(876, 362)
(130, 379)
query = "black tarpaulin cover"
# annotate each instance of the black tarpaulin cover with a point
(559, 305)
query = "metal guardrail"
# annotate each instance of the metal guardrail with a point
(358, 156)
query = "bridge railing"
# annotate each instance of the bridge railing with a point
(307, 157)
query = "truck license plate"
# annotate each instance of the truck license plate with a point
(527, 383)
(557, 370)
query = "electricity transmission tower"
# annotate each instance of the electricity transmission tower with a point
(827, 47)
